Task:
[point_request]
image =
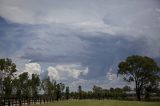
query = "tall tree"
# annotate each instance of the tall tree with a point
(25, 84)
(7, 68)
(16, 87)
(35, 83)
(62, 87)
(59, 89)
(58, 92)
(48, 87)
(80, 91)
(67, 92)
(7, 86)
(139, 69)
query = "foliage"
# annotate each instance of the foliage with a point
(35, 83)
(7, 86)
(16, 87)
(7, 70)
(24, 82)
(141, 70)
(48, 87)
(7, 67)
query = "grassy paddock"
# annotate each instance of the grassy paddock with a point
(100, 103)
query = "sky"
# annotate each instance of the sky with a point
(78, 42)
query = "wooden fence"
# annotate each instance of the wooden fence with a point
(24, 101)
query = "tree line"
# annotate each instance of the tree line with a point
(12, 85)
(141, 70)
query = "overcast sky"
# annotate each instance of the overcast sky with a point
(78, 42)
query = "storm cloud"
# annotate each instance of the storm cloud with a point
(87, 34)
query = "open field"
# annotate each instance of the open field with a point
(100, 103)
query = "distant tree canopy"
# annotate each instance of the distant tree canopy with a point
(126, 88)
(142, 70)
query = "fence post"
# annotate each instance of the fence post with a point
(16, 101)
(44, 100)
(20, 102)
(12, 101)
(0, 101)
(28, 101)
(40, 100)
(9, 102)
(4, 101)
(34, 100)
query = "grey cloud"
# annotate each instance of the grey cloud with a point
(40, 11)
(95, 34)
(60, 44)
(99, 53)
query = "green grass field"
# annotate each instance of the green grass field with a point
(100, 103)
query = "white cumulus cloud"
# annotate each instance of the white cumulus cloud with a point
(31, 68)
(65, 72)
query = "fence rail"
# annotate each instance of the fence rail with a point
(24, 101)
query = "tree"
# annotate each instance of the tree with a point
(126, 88)
(7, 68)
(97, 91)
(58, 92)
(150, 88)
(35, 83)
(139, 69)
(48, 87)
(25, 84)
(59, 89)
(67, 92)
(62, 86)
(7, 86)
(80, 92)
(16, 87)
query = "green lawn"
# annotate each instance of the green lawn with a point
(100, 103)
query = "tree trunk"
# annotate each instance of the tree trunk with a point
(138, 91)
(138, 95)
